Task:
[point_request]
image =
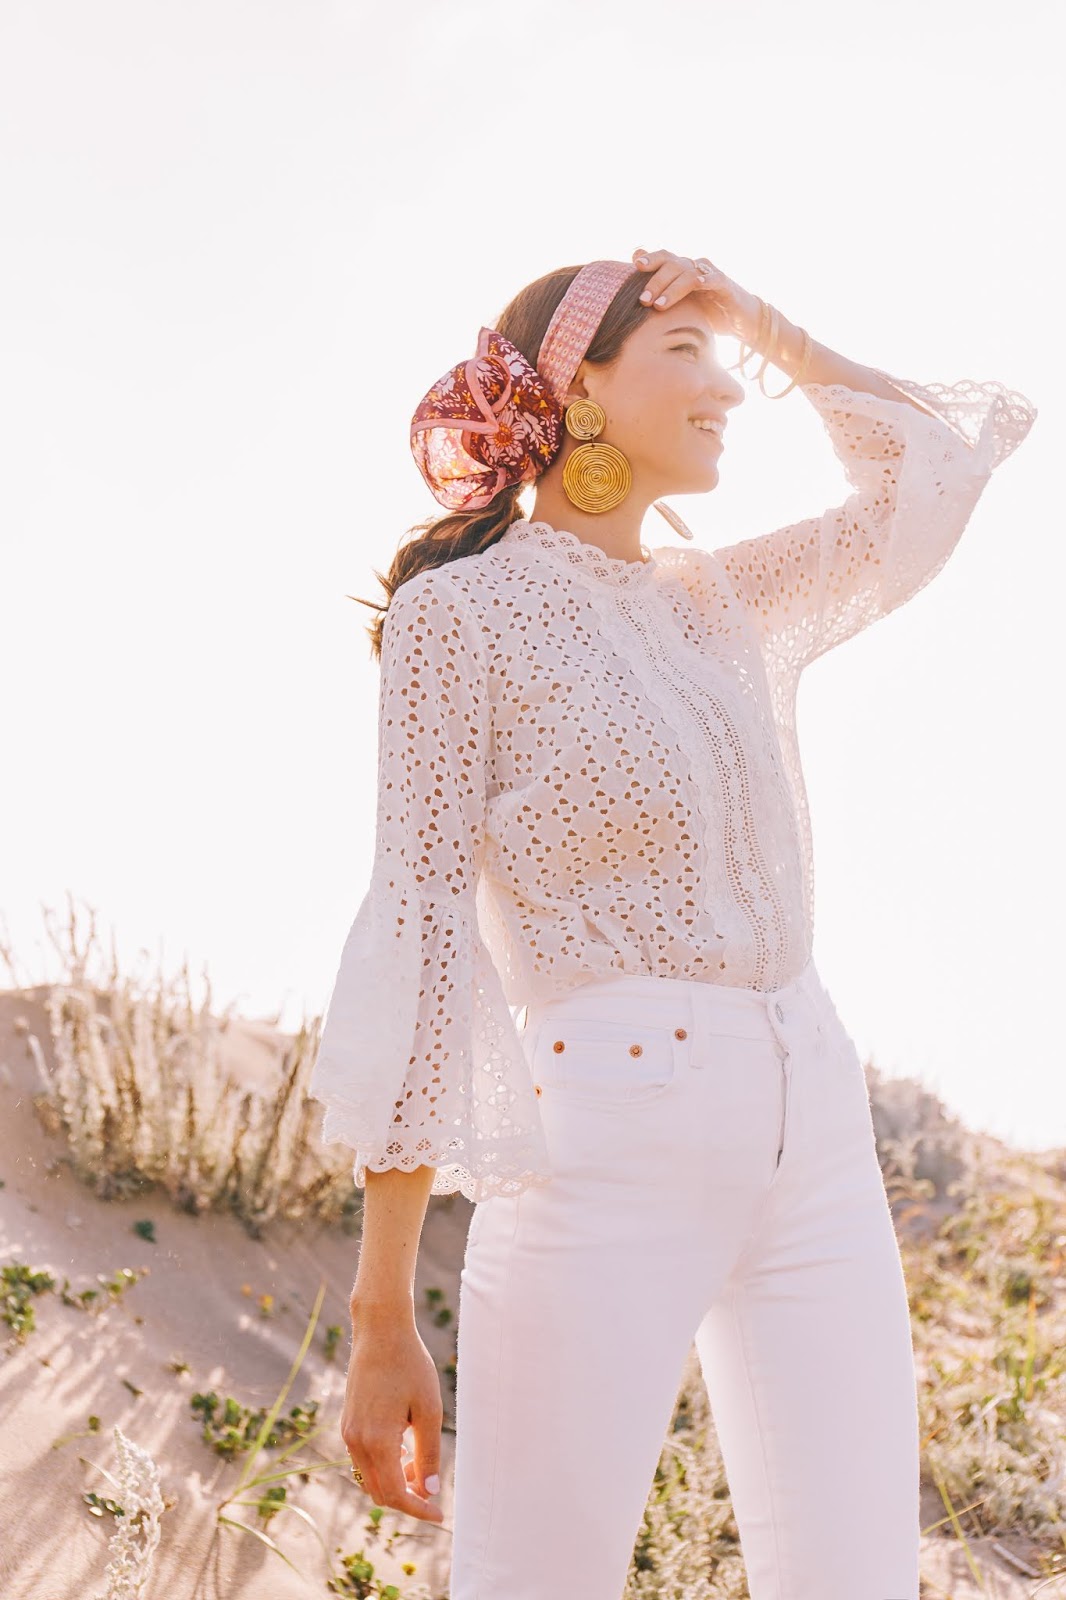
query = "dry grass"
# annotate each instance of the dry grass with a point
(136, 1081)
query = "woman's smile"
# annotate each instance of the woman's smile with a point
(712, 433)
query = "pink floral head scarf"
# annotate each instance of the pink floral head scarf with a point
(496, 420)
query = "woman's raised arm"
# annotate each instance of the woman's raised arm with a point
(918, 463)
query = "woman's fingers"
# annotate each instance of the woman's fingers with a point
(399, 1496)
(387, 1484)
(369, 1458)
(660, 266)
(667, 286)
(671, 277)
(369, 1485)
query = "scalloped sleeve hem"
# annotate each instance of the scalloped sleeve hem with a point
(476, 1119)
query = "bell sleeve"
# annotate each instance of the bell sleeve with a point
(419, 1061)
(916, 476)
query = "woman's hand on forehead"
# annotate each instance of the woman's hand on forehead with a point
(731, 309)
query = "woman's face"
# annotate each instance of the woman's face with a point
(667, 374)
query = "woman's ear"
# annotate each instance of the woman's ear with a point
(578, 388)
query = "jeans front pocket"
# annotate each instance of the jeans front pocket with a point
(604, 1063)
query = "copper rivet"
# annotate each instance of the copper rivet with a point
(537, 1087)
(558, 1045)
(636, 1049)
(679, 1033)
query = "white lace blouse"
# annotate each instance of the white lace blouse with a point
(589, 766)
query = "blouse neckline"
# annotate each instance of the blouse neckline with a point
(565, 549)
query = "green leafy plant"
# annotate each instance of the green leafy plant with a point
(232, 1429)
(113, 1288)
(20, 1285)
(99, 1504)
(441, 1314)
(358, 1577)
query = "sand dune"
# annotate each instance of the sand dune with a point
(199, 1305)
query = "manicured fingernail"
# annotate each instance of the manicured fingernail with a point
(433, 1484)
(661, 300)
(642, 261)
(646, 295)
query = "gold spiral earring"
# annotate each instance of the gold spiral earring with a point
(596, 477)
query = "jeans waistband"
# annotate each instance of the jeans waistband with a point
(688, 1002)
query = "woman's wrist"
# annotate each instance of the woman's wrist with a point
(381, 1309)
(747, 317)
(764, 332)
(779, 342)
(776, 338)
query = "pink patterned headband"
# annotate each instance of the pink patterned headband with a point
(577, 316)
(495, 420)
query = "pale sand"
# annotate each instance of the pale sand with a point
(51, 1546)
(71, 1366)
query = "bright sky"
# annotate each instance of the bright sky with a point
(240, 242)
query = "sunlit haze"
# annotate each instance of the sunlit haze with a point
(240, 241)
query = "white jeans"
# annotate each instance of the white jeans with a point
(715, 1179)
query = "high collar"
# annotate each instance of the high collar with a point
(566, 550)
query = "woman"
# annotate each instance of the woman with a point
(591, 806)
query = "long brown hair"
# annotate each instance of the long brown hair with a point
(524, 320)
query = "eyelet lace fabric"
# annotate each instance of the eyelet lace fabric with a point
(580, 555)
(589, 766)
